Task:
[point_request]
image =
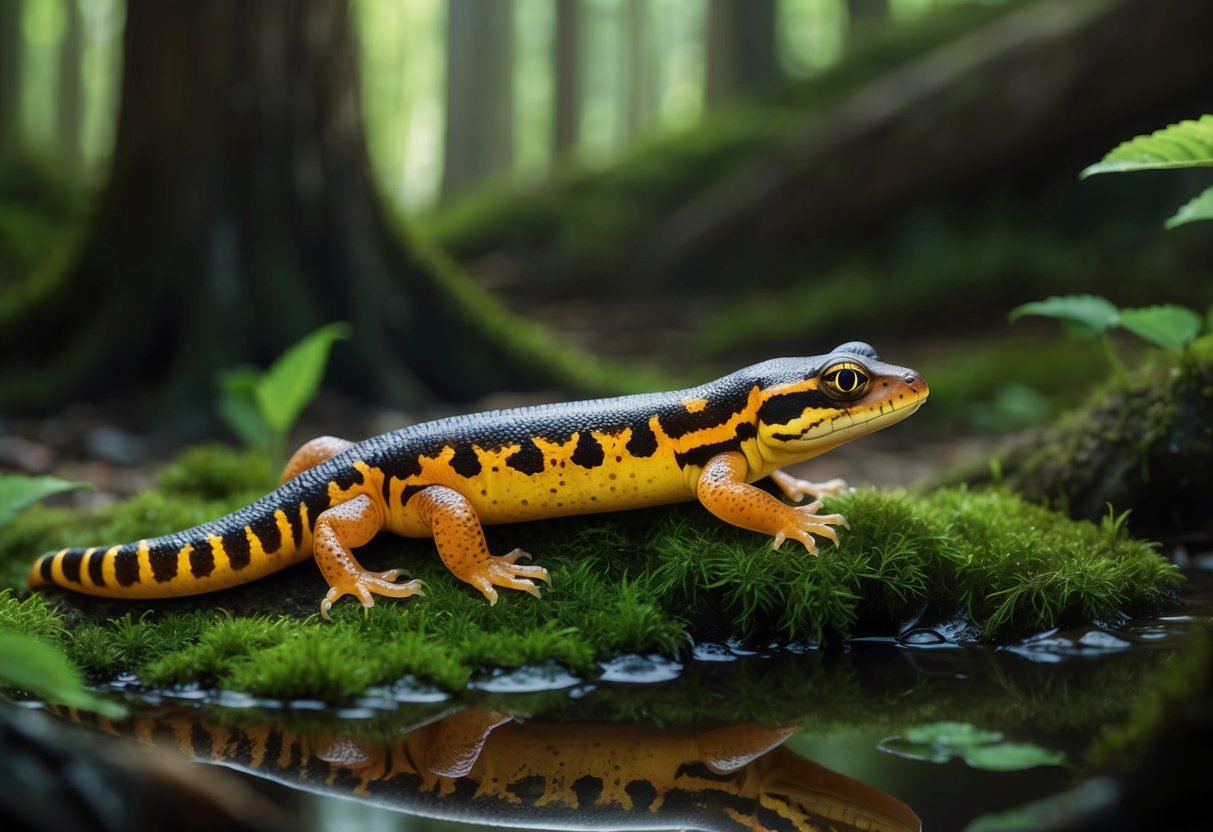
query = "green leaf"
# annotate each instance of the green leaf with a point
(1011, 756)
(1187, 144)
(921, 751)
(1085, 315)
(17, 492)
(35, 666)
(952, 734)
(239, 409)
(1169, 326)
(1198, 208)
(292, 381)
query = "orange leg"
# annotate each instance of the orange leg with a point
(796, 489)
(723, 491)
(311, 454)
(461, 545)
(348, 526)
(460, 739)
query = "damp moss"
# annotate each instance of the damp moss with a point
(653, 580)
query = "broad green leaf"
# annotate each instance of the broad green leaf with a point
(35, 666)
(1169, 326)
(17, 492)
(921, 751)
(1198, 208)
(1087, 315)
(238, 407)
(1011, 756)
(292, 381)
(952, 734)
(1187, 144)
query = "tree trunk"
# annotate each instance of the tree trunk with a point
(69, 105)
(743, 57)
(637, 69)
(10, 76)
(865, 18)
(240, 215)
(566, 64)
(479, 142)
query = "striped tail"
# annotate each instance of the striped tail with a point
(270, 534)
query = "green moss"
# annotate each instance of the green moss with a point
(641, 581)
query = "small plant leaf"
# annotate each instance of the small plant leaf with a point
(1084, 315)
(1011, 756)
(17, 492)
(35, 666)
(239, 409)
(1187, 144)
(952, 734)
(1169, 326)
(1198, 208)
(292, 381)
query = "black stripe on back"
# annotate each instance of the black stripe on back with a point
(703, 454)
(643, 443)
(126, 565)
(71, 565)
(95, 561)
(236, 544)
(267, 531)
(528, 459)
(465, 462)
(588, 453)
(295, 521)
(781, 409)
(162, 555)
(46, 568)
(202, 559)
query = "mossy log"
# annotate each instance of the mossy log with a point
(1145, 446)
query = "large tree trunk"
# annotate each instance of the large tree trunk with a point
(742, 54)
(69, 104)
(865, 18)
(566, 66)
(479, 93)
(10, 76)
(240, 214)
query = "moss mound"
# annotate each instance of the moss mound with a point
(639, 581)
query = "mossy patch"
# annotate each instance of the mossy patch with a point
(649, 580)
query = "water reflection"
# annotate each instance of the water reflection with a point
(485, 766)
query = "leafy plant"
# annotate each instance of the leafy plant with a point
(1091, 317)
(1188, 144)
(262, 407)
(939, 742)
(17, 492)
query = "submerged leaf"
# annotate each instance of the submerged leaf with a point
(1091, 314)
(1198, 208)
(1168, 326)
(1011, 756)
(17, 492)
(1184, 145)
(952, 734)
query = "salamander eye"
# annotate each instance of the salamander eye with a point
(844, 381)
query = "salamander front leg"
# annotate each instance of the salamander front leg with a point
(311, 454)
(347, 526)
(723, 491)
(460, 541)
(796, 489)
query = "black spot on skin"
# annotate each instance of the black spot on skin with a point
(387, 494)
(528, 789)
(95, 562)
(202, 559)
(316, 503)
(71, 565)
(267, 531)
(163, 558)
(236, 544)
(588, 789)
(408, 491)
(643, 443)
(528, 459)
(721, 406)
(295, 521)
(588, 453)
(349, 477)
(642, 792)
(703, 454)
(779, 410)
(202, 744)
(242, 749)
(465, 462)
(273, 747)
(126, 565)
(46, 570)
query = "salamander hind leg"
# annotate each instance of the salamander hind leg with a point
(462, 547)
(338, 530)
(311, 454)
(796, 489)
(723, 491)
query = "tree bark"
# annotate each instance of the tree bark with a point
(743, 57)
(240, 214)
(566, 65)
(10, 76)
(479, 140)
(69, 105)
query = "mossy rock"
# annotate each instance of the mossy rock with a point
(644, 581)
(1145, 446)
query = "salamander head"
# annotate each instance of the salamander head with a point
(811, 405)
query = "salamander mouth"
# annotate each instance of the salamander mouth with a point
(835, 432)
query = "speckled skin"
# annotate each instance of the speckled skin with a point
(446, 478)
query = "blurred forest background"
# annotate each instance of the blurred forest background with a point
(546, 194)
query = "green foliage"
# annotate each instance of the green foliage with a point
(1200, 207)
(262, 407)
(35, 666)
(939, 742)
(1089, 316)
(1184, 145)
(1168, 326)
(17, 492)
